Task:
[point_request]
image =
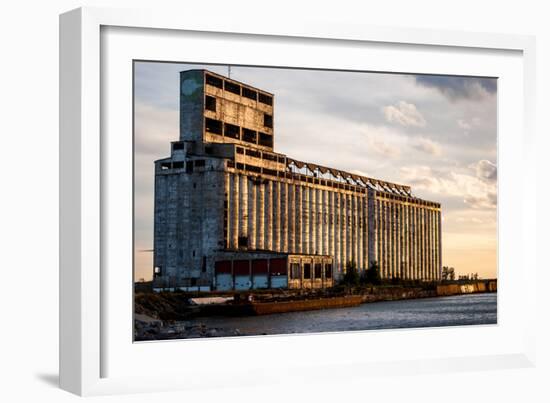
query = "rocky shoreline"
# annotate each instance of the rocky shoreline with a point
(148, 329)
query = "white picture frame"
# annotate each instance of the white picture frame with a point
(92, 343)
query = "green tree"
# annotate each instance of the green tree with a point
(351, 277)
(372, 275)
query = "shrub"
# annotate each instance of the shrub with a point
(372, 275)
(351, 277)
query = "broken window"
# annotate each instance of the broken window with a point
(165, 165)
(317, 269)
(213, 126)
(180, 145)
(240, 150)
(232, 131)
(249, 135)
(265, 140)
(199, 163)
(268, 120)
(243, 241)
(210, 103)
(307, 270)
(251, 94)
(254, 153)
(265, 99)
(177, 165)
(158, 271)
(295, 271)
(328, 270)
(271, 172)
(214, 81)
(270, 157)
(253, 168)
(189, 167)
(232, 87)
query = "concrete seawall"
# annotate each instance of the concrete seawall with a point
(471, 288)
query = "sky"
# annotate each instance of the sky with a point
(437, 134)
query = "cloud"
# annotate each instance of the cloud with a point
(464, 125)
(427, 146)
(383, 148)
(474, 220)
(486, 170)
(472, 187)
(467, 125)
(405, 114)
(455, 88)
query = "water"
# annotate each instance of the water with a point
(457, 310)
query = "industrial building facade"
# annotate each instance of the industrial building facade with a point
(230, 213)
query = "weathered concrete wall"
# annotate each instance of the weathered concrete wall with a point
(406, 237)
(189, 223)
(191, 105)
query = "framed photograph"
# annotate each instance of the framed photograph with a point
(297, 201)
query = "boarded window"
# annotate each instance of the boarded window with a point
(318, 272)
(213, 126)
(214, 81)
(251, 94)
(232, 131)
(232, 87)
(268, 120)
(307, 270)
(265, 99)
(210, 103)
(295, 271)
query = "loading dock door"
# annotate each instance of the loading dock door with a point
(224, 278)
(260, 277)
(224, 282)
(241, 270)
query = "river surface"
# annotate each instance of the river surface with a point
(474, 309)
